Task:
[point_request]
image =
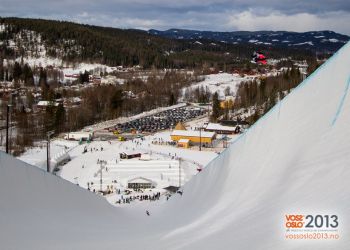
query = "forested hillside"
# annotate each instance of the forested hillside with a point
(318, 41)
(111, 46)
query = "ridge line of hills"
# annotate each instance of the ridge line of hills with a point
(324, 40)
(23, 37)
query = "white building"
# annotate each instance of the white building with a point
(77, 136)
(44, 104)
(156, 173)
(141, 183)
(220, 129)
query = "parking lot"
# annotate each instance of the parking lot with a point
(160, 121)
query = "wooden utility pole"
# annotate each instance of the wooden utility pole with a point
(7, 127)
(48, 151)
(102, 165)
(179, 172)
(208, 111)
(200, 138)
(101, 177)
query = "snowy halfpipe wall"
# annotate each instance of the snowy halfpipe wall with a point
(294, 160)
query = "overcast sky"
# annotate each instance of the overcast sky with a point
(220, 15)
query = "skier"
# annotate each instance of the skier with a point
(147, 213)
(258, 58)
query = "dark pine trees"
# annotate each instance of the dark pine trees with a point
(216, 107)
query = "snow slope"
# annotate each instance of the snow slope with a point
(294, 160)
(218, 83)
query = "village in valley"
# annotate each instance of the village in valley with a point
(144, 157)
(132, 132)
(162, 125)
(147, 156)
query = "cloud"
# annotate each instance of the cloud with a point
(300, 22)
(220, 15)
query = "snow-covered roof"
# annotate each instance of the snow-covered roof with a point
(76, 99)
(131, 152)
(217, 126)
(47, 103)
(60, 157)
(140, 180)
(79, 133)
(184, 140)
(145, 157)
(192, 133)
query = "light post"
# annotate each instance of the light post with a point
(7, 127)
(48, 151)
(102, 165)
(200, 138)
(179, 172)
(208, 110)
(224, 141)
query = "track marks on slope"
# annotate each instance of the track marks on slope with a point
(342, 100)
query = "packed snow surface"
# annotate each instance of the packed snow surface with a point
(84, 168)
(295, 159)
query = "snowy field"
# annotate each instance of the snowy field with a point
(37, 155)
(219, 82)
(84, 168)
(67, 68)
